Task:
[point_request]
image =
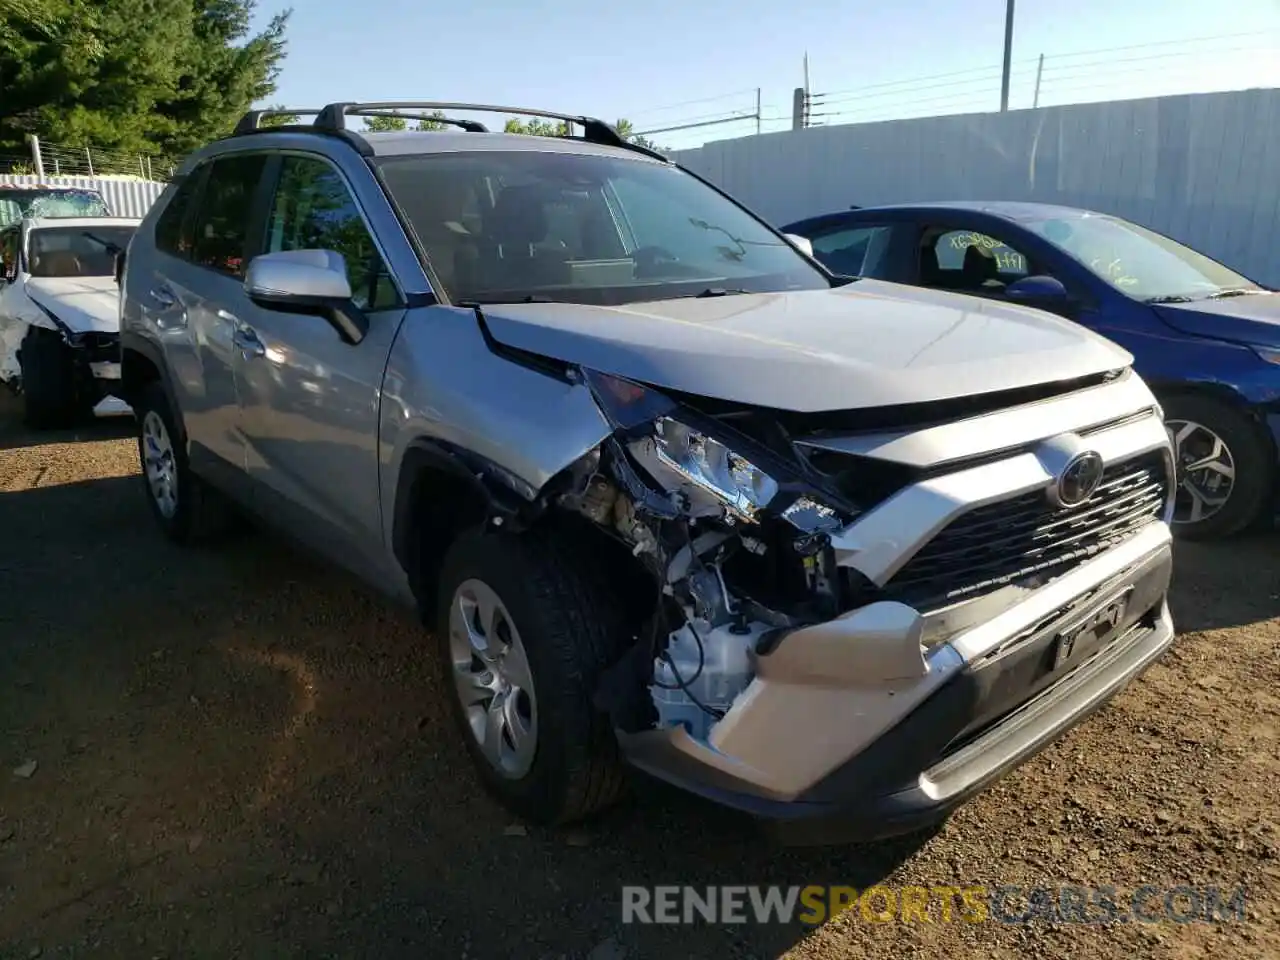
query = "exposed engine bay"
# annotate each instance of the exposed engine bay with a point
(735, 529)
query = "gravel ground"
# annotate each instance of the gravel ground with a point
(241, 753)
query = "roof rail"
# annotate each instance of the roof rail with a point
(471, 126)
(252, 120)
(333, 118)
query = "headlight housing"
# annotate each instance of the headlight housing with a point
(1269, 354)
(677, 451)
(731, 477)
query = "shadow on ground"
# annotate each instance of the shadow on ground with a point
(243, 752)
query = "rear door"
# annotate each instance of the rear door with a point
(309, 401)
(189, 288)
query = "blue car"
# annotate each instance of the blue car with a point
(1206, 338)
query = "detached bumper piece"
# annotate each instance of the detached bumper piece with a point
(987, 701)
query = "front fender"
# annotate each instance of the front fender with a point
(445, 390)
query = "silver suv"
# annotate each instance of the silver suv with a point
(835, 552)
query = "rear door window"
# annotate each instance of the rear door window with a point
(226, 207)
(853, 251)
(173, 228)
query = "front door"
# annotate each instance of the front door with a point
(309, 401)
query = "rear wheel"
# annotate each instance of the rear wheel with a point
(184, 506)
(1225, 468)
(49, 390)
(524, 631)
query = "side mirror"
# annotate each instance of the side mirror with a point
(1044, 292)
(800, 243)
(310, 282)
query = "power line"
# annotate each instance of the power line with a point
(1158, 43)
(687, 103)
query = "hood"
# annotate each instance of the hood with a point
(868, 344)
(83, 304)
(1253, 320)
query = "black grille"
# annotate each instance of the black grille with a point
(1006, 542)
(97, 347)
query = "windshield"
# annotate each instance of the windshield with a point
(76, 251)
(1138, 262)
(20, 203)
(532, 225)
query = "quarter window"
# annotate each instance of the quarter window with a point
(222, 225)
(314, 210)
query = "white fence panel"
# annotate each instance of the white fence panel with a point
(125, 198)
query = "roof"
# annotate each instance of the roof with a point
(46, 187)
(1005, 209)
(412, 142)
(37, 223)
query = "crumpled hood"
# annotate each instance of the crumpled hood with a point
(868, 344)
(82, 303)
(1252, 320)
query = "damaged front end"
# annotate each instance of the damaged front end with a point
(804, 609)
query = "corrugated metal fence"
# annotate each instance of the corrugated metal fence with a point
(125, 198)
(1200, 168)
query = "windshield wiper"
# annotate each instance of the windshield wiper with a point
(1172, 298)
(1233, 292)
(111, 248)
(531, 298)
(719, 292)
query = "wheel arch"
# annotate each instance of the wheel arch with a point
(142, 363)
(1224, 393)
(442, 491)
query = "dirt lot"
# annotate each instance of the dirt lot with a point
(241, 753)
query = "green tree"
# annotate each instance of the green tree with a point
(395, 124)
(135, 76)
(545, 128)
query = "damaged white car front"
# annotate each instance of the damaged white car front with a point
(60, 315)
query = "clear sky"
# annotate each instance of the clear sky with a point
(664, 63)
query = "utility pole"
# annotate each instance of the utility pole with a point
(1008, 56)
(1039, 70)
(757, 111)
(36, 157)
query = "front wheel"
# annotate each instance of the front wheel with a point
(1225, 468)
(48, 381)
(523, 632)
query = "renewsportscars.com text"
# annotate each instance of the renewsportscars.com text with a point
(815, 904)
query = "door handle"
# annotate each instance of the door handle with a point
(247, 342)
(162, 297)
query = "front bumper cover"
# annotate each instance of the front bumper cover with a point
(915, 749)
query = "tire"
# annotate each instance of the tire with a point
(569, 630)
(49, 392)
(1194, 422)
(187, 509)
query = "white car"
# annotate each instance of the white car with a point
(60, 313)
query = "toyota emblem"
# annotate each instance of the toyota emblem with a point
(1079, 479)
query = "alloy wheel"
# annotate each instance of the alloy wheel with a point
(160, 464)
(492, 678)
(1206, 471)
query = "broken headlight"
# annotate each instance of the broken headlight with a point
(713, 475)
(743, 486)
